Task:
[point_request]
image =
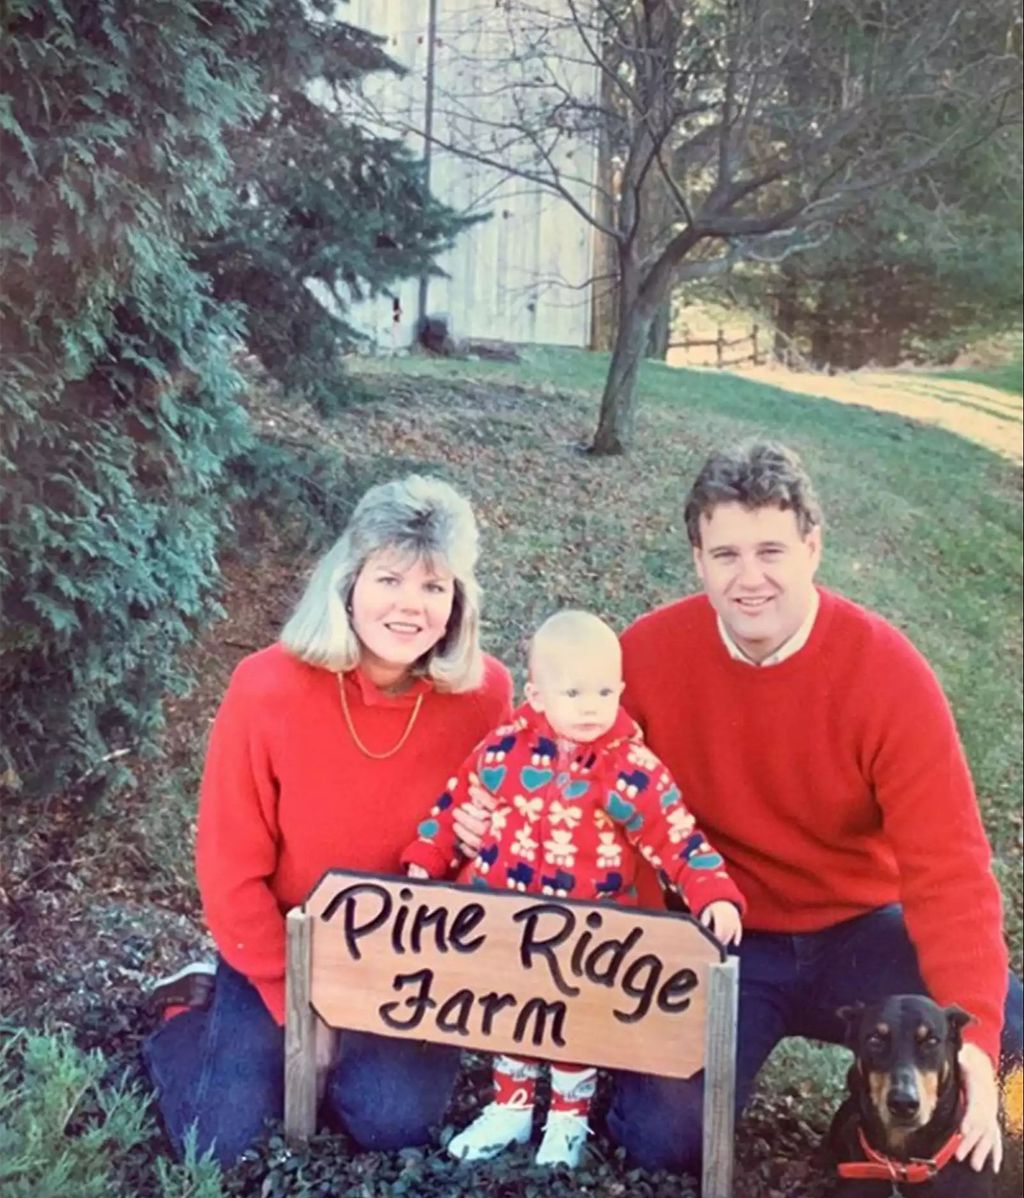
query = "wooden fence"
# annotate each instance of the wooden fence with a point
(720, 343)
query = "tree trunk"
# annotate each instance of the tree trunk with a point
(605, 302)
(785, 319)
(890, 341)
(854, 351)
(823, 320)
(661, 327)
(604, 307)
(821, 345)
(615, 426)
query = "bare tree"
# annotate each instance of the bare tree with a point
(737, 129)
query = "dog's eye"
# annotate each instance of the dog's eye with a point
(877, 1040)
(931, 1040)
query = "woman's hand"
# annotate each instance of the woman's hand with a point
(415, 871)
(473, 819)
(980, 1126)
(723, 919)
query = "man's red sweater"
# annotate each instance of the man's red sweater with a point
(287, 795)
(832, 783)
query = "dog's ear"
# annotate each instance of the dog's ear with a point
(851, 1017)
(956, 1019)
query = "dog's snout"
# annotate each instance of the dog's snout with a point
(902, 1102)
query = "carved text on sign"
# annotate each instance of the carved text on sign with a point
(506, 972)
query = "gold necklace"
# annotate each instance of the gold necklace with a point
(355, 735)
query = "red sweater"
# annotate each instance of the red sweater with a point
(573, 819)
(832, 783)
(287, 795)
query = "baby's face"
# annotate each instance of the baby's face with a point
(577, 691)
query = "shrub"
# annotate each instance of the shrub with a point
(117, 399)
(68, 1129)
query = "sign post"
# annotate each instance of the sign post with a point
(299, 1029)
(544, 976)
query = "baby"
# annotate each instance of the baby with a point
(579, 796)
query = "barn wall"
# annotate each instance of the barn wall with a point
(523, 274)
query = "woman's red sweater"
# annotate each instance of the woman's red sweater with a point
(287, 795)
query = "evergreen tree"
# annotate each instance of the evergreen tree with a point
(167, 185)
(118, 403)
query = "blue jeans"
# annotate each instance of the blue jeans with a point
(789, 986)
(222, 1069)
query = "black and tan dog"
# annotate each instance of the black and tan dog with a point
(898, 1131)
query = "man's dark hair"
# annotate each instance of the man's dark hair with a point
(755, 474)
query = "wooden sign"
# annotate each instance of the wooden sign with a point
(534, 975)
(564, 981)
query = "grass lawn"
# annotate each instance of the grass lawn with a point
(1008, 377)
(920, 525)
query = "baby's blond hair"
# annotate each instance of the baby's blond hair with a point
(571, 631)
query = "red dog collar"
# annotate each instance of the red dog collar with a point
(879, 1167)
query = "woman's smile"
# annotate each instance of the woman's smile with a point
(400, 610)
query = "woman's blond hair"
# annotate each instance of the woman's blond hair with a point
(419, 518)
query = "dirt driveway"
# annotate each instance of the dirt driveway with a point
(982, 414)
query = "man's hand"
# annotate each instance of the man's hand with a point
(415, 871)
(473, 820)
(980, 1126)
(723, 919)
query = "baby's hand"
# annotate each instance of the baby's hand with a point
(723, 918)
(415, 871)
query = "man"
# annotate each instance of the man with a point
(814, 745)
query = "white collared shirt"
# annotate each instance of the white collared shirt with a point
(795, 643)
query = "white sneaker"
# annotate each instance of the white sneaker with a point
(491, 1132)
(565, 1133)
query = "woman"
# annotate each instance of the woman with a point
(326, 750)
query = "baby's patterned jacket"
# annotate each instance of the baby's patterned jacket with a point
(572, 818)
